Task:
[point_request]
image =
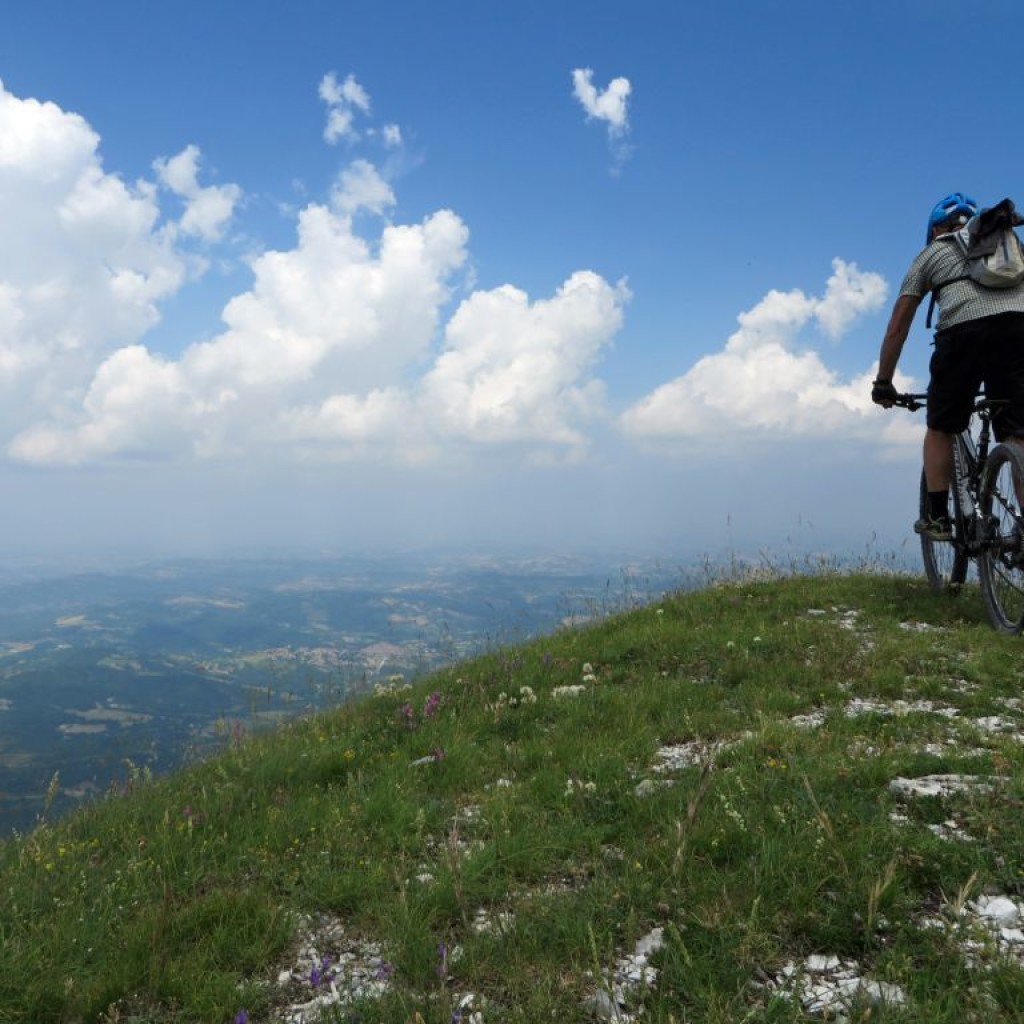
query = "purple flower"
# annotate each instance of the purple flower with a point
(432, 705)
(242, 1017)
(319, 974)
(406, 711)
(385, 970)
(442, 958)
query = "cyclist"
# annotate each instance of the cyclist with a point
(979, 339)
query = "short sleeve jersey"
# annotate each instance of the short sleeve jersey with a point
(959, 301)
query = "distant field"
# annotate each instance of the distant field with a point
(106, 674)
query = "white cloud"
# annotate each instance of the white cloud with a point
(361, 187)
(343, 101)
(761, 386)
(207, 209)
(338, 348)
(329, 355)
(516, 371)
(610, 106)
(88, 258)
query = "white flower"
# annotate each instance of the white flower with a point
(567, 691)
(575, 786)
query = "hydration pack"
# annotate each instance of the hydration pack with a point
(992, 249)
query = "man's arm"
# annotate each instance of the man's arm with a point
(896, 334)
(892, 346)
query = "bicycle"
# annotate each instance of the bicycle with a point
(987, 494)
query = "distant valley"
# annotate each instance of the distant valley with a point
(107, 676)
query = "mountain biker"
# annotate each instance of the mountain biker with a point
(979, 339)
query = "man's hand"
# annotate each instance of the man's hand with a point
(883, 393)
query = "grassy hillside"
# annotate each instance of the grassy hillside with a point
(769, 801)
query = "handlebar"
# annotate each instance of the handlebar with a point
(983, 405)
(910, 401)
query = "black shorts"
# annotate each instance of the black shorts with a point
(988, 352)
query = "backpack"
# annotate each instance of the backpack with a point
(993, 250)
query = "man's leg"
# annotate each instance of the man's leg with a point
(938, 472)
(938, 460)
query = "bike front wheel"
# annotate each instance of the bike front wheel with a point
(945, 562)
(1001, 563)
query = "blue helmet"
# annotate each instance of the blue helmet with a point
(945, 209)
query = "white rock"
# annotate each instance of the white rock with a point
(1000, 910)
(939, 785)
(817, 964)
(650, 943)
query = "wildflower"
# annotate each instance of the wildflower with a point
(526, 695)
(442, 960)
(319, 974)
(407, 713)
(573, 785)
(567, 691)
(385, 970)
(242, 1017)
(432, 705)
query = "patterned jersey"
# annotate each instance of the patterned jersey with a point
(960, 301)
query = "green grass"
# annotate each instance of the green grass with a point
(182, 899)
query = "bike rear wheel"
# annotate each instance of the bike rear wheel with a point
(945, 562)
(1001, 563)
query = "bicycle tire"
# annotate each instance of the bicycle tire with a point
(945, 562)
(1001, 562)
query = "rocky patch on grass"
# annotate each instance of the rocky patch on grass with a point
(830, 988)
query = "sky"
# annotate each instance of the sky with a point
(323, 275)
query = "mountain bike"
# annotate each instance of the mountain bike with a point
(986, 498)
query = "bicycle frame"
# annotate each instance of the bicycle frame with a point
(969, 458)
(987, 516)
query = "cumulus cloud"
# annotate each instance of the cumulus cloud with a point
(317, 357)
(208, 209)
(344, 100)
(516, 370)
(359, 344)
(761, 385)
(89, 258)
(341, 346)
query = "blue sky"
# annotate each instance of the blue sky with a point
(278, 275)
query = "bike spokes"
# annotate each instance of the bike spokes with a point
(1002, 559)
(945, 562)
